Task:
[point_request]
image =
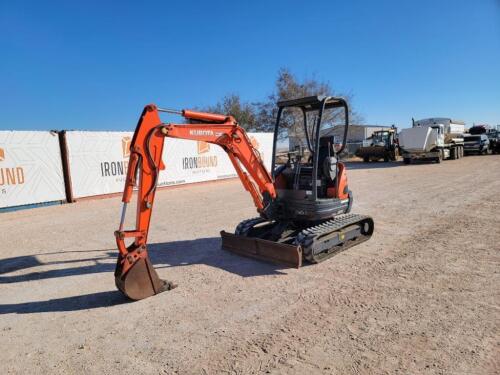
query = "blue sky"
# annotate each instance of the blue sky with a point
(95, 64)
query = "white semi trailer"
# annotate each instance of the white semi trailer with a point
(432, 139)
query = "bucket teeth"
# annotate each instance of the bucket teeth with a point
(139, 280)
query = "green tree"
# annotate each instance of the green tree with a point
(243, 112)
(287, 87)
(261, 116)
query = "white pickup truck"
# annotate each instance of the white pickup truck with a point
(432, 139)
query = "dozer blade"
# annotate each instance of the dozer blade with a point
(140, 280)
(275, 252)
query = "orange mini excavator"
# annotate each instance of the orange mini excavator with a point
(303, 203)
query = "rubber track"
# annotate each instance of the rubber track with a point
(310, 237)
(244, 227)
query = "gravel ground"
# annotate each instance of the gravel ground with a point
(422, 296)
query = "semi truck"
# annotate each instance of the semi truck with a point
(432, 139)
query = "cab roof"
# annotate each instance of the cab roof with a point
(313, 103)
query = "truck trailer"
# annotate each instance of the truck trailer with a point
(432, 139)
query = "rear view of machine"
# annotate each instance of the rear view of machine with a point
(303, 204)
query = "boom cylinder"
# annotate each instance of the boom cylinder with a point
(202, 116)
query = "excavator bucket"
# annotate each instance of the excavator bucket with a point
(139, 280)
(269, 251)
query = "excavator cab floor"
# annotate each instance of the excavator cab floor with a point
(270, 251)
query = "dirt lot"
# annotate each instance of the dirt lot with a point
(421, 297)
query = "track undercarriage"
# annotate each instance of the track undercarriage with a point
(288, 242)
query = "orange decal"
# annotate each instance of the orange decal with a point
(126, 146)
(203, 147)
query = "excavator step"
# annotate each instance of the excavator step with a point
(270, 251)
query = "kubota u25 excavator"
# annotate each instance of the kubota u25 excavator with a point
(303, 203)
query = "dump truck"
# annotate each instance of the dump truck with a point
(382, 145)
(432, 139)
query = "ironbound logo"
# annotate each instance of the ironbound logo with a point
(203, 147)
(200, 161)
(126, 146)
(11, 175)
(118, 167)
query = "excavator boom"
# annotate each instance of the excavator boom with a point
(134, 274)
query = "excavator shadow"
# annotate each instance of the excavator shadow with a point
(163, 255)
(32, 268)
(37, 267)
(73, 303)
(53, 265)
(208, 251)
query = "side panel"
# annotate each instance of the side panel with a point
(416, 139)
(98, 161)
(30, 168)
(188, 161)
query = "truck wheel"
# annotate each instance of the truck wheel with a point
(407, 160)
(454, 153)
(366, 159)
(440, 157)
(386, 158)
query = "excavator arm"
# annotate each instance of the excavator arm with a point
(134, 274)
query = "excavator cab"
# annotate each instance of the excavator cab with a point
(310, 181)
(309, 217)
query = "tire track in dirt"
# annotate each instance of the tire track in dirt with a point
(310, 333)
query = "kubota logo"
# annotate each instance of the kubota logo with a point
(201, 132)
(126, 146)
(203, 147)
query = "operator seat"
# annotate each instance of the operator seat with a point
(327, 162)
